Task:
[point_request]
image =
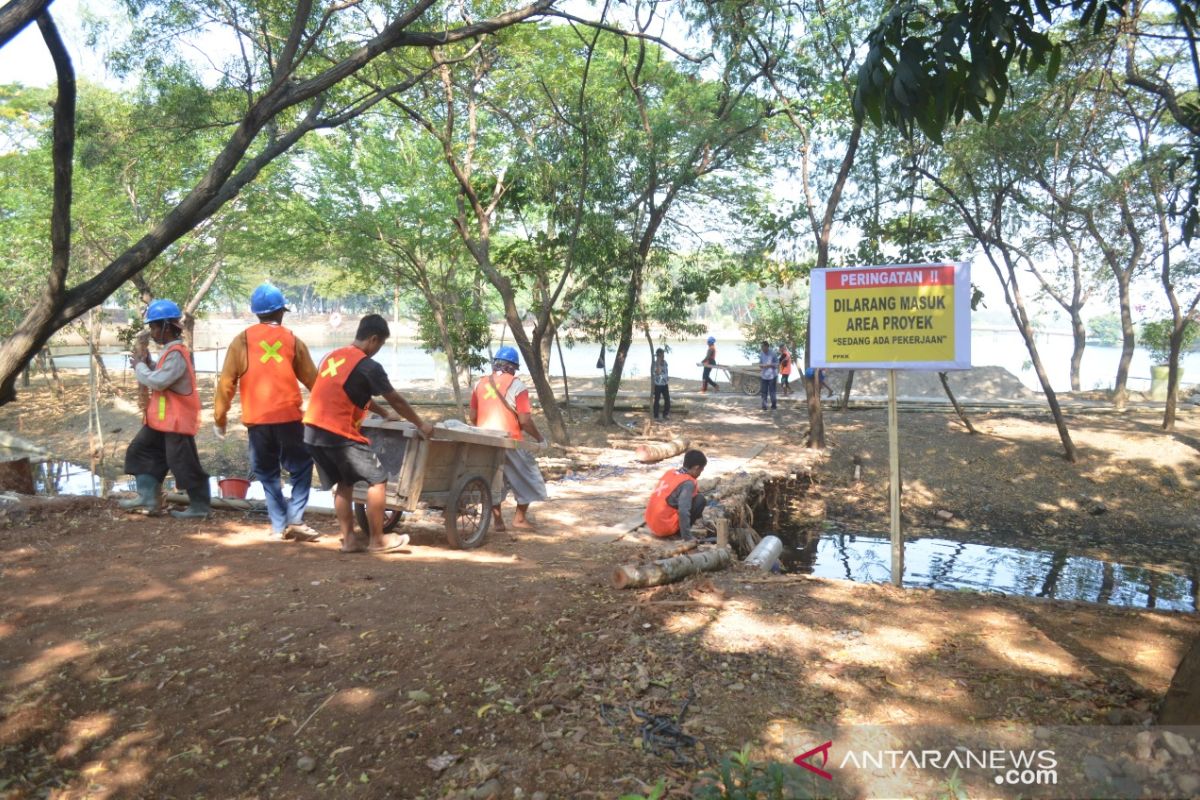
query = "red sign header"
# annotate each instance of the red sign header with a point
(889, 276)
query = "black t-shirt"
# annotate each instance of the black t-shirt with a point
(368, 379)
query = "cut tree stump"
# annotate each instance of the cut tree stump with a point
(652, 453)
(669, 570)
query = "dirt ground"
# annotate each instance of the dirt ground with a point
(160, 658)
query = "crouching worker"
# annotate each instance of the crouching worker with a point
(167, 440)
(346, 381)
(501, 402)
(676, 503)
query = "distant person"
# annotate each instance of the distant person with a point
(785, 370)
(710, 361)
(676, 502)
(347, 380)
(267, 362)
(500, 402)
(659, 379)
(335, 321)
(167, 440)
(768, 365)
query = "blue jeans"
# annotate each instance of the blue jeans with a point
(768, 387)
(275, 447)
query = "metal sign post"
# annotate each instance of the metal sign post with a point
(894, 483)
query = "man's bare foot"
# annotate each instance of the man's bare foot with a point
(522, 525)
(498, 523)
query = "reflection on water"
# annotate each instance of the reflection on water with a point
(947, 564)
(54, 478)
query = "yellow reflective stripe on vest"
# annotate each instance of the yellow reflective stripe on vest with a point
(162, 406)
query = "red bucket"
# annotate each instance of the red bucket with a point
(233, 488)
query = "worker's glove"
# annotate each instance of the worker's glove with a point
(218, 431)
(543, 444)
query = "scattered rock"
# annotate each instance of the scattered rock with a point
(943, 515)
(419, 696)
(1098, 509)
(488, 790)
(1188, 784)
(1177, 744)
(539, 796)
(1144, 742)
(1095, 768)
(440, 764)
(306, 763)
(737, 687)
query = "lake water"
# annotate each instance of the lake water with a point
(405, 361)
(937, 563)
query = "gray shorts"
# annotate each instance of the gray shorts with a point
(347, 464)
(522, 476)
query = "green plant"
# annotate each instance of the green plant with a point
(656, 793)
(737, 777)
(1156, 337)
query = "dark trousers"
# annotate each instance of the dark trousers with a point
(663, 392)
(768, 388)
(274, 448)
(699, 503)
(705, 380)
(154, 453)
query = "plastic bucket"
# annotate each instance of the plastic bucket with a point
(233, 488)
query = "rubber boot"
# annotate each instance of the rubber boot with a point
(198, 504)
(149, 499)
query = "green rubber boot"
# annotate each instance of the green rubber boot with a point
(199, 499)
(149, 499)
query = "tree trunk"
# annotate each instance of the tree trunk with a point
(653, 453)
(627, 313)
(1181, 706)
(1079, 342)
(954, 402)
(669, 570)
(1120, 392)
(846, 390)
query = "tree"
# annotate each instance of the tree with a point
(291, 71)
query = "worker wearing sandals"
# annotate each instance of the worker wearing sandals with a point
(500, 402)
(347, 379)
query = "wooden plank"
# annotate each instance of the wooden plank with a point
(894, 488)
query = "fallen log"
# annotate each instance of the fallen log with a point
(652, 453)
(669, 570)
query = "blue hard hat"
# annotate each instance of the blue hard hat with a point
(159, 310)
(508, 353)
(712, 340)
(265, 299)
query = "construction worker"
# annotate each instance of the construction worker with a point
(676, 503)
(167, 440)
(268, 363)
(710, 361)
(500, 402)
(346, 381)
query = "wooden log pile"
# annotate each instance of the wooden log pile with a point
(669, 570)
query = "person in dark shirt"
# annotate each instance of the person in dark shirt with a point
(347, 380)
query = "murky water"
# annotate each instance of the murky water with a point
(53, 478)
(947, 564)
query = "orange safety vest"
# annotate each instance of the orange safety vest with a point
(171, 412)
(785, 364)
(270, 391)
(329, 407)
(661, 519)
(490, 410)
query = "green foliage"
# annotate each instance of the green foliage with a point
(1156, 337)
(1106, 329)
(778, 319)
(737, 777)
(656, 793)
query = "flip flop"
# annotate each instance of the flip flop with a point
(398, 541)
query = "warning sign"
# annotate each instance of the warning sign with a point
(915, 316)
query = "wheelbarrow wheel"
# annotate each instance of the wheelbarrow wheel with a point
(750, 387)
(391, 518)
(469, 512)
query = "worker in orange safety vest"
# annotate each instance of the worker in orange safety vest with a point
(676, 502)
(167, 440)
(268, 363)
